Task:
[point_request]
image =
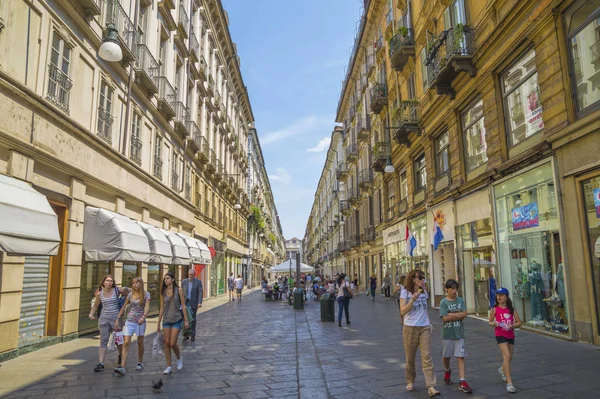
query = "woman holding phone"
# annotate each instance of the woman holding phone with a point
(417, 330)
(173, 317)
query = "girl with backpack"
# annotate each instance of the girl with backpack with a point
(111, 299)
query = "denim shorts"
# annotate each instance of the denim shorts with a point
(134, 328)
(177, 325)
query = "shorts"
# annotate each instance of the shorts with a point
(134, 328)
(238, 290)
(453, 348)
(504, 340)
(105, 327)
(177, 324)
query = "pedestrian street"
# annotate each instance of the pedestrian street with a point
(258, 349)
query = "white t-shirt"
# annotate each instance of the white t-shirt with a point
(417, 317)
(341, 289)
(239, 283)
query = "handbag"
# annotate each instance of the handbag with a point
(190, 316)
(158, 345)
(347, 292)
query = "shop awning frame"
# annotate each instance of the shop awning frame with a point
(160, 247)
(109, 236)
(28, 225)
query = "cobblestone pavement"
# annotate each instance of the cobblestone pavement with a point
(257, 349)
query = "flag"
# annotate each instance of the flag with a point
(438, 236)
(411, 242)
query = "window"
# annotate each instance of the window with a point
(142, 24)
(157, 169)
(135, 149)
(442, 155)
(162, 57)
(403, 186)
(174, 172)
(391, 203)
(105, 118)
(412, 93)
(455, 14)
(424, 74)
(475, 140)
(59, 83)
(522, 99)
(583, 31)
(420, 173)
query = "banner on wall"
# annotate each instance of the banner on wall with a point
(443, 216)
(525, 217)
(597, 202)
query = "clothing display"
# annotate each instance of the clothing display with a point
(539, 310)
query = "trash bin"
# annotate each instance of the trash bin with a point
(327, 308)
(299, 299)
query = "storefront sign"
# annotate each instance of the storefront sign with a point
(597, 202)
(525, 217)
(473, 207)
(394, 234)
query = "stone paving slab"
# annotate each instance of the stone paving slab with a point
(257, 349)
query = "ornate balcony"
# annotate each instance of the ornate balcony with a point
(369, 233)
(363, 128)
(345, 207)
(351, 152)
(194, 48)
(182, 118)
(105, 120)
(379, 97)
(342, 171)
(353, 196)
(157, 167)
(212, 165)
(135, 150)
(59, 86)
(146, 70)
(406, 120)
(164, 8)
(116, 15)
(354, 240)
(402, 47)
(381, 154)
(166, 97)
(175, 180)
(365, 179)
(204, 154)
(183, 22)
(452, 54)
(196, 141)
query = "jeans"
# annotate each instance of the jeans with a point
(418, 337)
(343, 306)
(387, 290)
(373, 291)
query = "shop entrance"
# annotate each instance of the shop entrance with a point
(32, 320)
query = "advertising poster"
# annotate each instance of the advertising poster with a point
(525, 217)
(597, 202)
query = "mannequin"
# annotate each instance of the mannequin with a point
(492, 288)
(560, 282)
(539, 310)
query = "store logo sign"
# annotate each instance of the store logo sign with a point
(525, 217)
(597, 202)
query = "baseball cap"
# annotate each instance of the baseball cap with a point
(502, 290)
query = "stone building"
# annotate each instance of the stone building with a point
(479, 118)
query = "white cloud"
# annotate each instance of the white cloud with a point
(321, 146)
(299, 128)
(280, 176)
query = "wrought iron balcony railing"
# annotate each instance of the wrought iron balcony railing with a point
(105, 120)
(402, 47)
(406, 119)
(116, 15)
(379, 97)
(166, 97)
(175, 180)
(194, 47)
(135, 150)
(157, 167)
(183, 23)
(188, 191)
(59, 86)
(146, 69)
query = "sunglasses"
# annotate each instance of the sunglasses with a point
(421, 277)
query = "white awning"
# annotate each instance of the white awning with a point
(109, 236)
(28, 225)
(160, 247)
(198, 254)
(180, 251)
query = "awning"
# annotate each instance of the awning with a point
(109, 236)
(197, 254)
(160, 247)
(28, 225)
(204, 251)
(181, 253)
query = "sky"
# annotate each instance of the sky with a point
(293, 55)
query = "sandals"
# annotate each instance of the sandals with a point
(433, 392)
(410, 387)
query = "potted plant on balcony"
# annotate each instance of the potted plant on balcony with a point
(458, 38)
(403, 31)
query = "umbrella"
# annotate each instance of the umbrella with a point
(317, 278)
(286, 266)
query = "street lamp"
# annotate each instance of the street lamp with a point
(389, 168)
(110, 50)
(237, 206)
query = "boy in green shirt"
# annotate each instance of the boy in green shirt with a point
(452, 312)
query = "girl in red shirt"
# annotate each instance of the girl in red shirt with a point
(504, 318)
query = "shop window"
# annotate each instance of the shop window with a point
(474, 136)
(522, 105)
(591, 191)
(442, 155)
(91, 277)
(153, 286)
(130, 271)
(583, 35)
(420, 173)
(529, 248)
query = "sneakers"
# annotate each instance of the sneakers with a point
(185, 338)
(372, 299)
(140, 366)
(510, 388)
(502, 374)
(180, 363)
(120, 370)
(463, 386)
(447, 374)
(168, 371)
(340, 324)
(119, 361)
(99, 367)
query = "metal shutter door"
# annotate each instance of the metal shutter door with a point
(33, 301)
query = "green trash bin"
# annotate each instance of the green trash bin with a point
(299, 299)
(327, 308)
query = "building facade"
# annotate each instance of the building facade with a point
(293, 247)
(477, 118)
(153, 146)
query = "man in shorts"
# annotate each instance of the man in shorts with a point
(452, 312)
(239, 285)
